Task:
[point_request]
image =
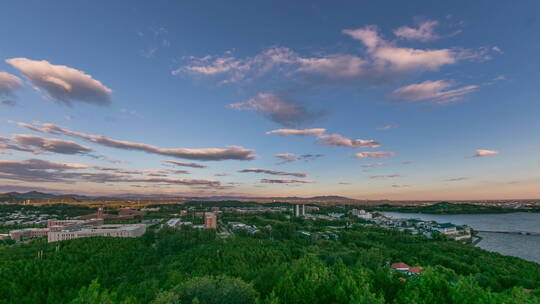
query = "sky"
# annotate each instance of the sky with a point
(401, 100)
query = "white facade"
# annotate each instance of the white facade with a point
(132, 230)
(362, 214)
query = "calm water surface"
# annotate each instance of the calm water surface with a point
(524, 246)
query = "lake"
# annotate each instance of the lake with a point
(526, 247)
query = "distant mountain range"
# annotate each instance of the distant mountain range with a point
(35, 195)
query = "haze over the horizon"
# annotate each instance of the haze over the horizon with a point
(388, 100)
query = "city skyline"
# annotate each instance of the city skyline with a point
(423, 101)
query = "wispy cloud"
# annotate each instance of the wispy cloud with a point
(337, 140)
(373, 165)
(61, 83)
(437, 91)
(384, 176)
(374, 154)
(272, 172)
(424, 32)
(184, 164)
(285, 181)
(205, 154)
(400, 186)
(9, 83)
(457, 179)
(291, 157)
(277, 109)
(387, 127)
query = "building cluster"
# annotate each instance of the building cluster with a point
(26, 218)
(210, 221)
(362, 214)
(404, 268)
(426, 228)
(243, 227)
(84, 226)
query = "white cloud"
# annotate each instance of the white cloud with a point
(437, 91)
(297, 132)
(424, 32)
(231, 69)
(482, 153)
(388, 58)
(333, 68)
(382, 61)
(61, 83)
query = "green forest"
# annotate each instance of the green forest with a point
(277, 264)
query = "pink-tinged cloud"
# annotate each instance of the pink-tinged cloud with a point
(425, 32)
(222, 174)
(400, 186)
(272, 172)
(482, 153)
(36, 170)
(336, 140)
(9, 83)
(184, 164)
(278, 109)
(61, 83)
(230, 69)
(437, 91)
(384, 176)
(43, 144)
(297, 132)
(382, 61)
(333, 68)
(374, 154)
(386, 57)
(206, 154)
(285, 181)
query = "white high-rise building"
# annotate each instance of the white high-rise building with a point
(299, 210)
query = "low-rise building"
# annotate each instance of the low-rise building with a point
(19, 234)
(446, 228)
(132, 230)
(362, 214)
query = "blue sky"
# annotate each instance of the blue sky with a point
(450, 90)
